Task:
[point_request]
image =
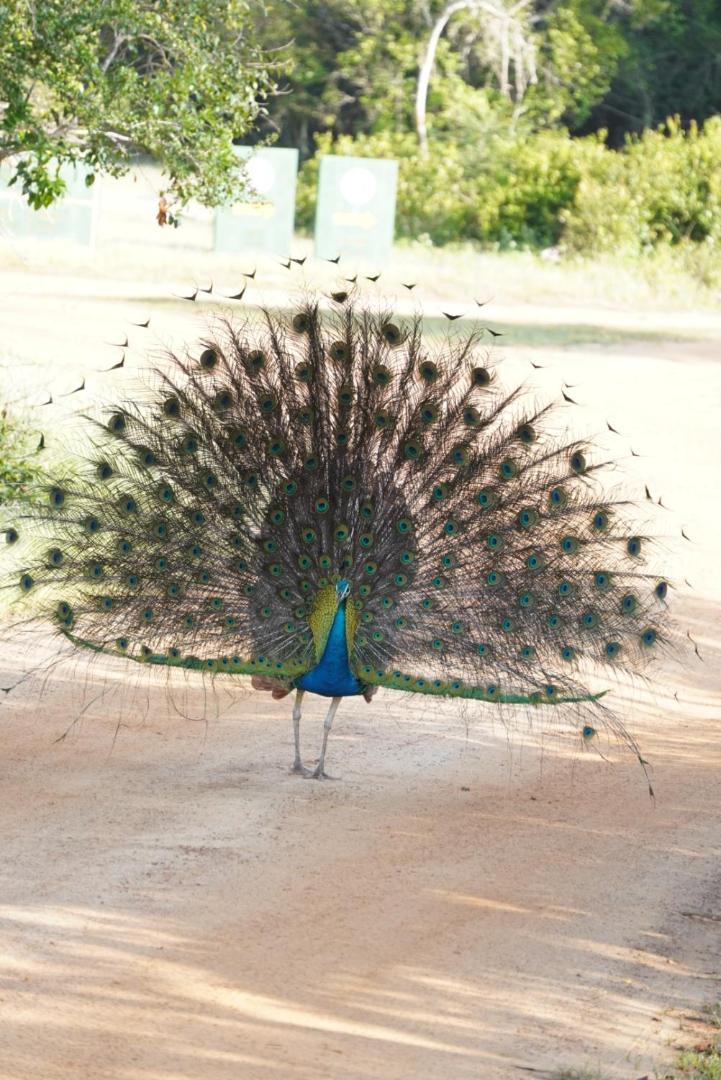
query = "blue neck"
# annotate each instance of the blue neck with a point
(333, 677)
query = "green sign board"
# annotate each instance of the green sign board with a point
(264, 221)
(356, 208)
(71, 218)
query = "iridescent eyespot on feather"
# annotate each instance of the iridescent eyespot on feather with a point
(383, 420)
(526, 600)
(290, 487)
(437, 644)
(508, 626)
(364, 591)
(527, 652)
(568, 653)
(612, 650)
(166, 493)
(456, 627)
(276, 448)
(308, 536)
(600, 521)
(171, 407)
(633, 546)
(173, 590)
(124, 546)
(487, 499)
(391, 334)
(210, 480)
(198, 518)
(117, 423)
(342, 438)
(339, 351)
(450, 528)
(440, 492)
(557, 498)
(534, 561)
(484, 650)
(302, 322)
(577, 462)
(56, 557)
(460, 455)
(11, 536)
(570, 545)
(322, 506)
(471, 416)
(429, 413)
(648, 637)
(401, 580)
(267, 403)
(480, 376)
(122, 643)
(412, 450)
(238, 438)
(426, 603)
(348, 483)
(429, 372)
(366, 540)
(370, 568)
(189, 444)
(26, 582)
(589, 619)
(565, 588)
(367, 510)
(255, 361)
(303, 373)
(147, 614)
(57, 497)
(527, 518)
(381, 375)
(509, 469)
(403, 526)
(104, 471)
(96, 571)
(128, 505)
(494, 541)
(91, 525)
(553, 621)
(147, 457)
(661, 590)
(448, 561)
(208, 359)
(495, 577)
(602, 580)
(304, 562)
(270, 546)
(387, 602)
(526, 433)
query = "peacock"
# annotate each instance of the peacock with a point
(328, 502)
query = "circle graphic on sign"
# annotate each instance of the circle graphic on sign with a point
(261, 174)
(358, 185)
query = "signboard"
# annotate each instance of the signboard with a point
(356, 208)
(264, 222)
(71, 218)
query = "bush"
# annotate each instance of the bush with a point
(19, 472)
(533, 190)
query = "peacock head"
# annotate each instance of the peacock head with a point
(342, 590)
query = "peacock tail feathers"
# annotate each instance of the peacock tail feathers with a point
(210, 518)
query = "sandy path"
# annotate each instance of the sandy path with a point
(175, 905)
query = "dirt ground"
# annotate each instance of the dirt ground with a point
(465, 902)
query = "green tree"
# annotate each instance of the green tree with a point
(96, 81)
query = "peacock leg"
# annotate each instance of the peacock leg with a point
(298, 765)
(319, 772)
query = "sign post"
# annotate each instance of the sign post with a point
(265, 221)
(73, 217)
(356, 207)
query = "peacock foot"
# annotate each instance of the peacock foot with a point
(299, 767)
(319, 773)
